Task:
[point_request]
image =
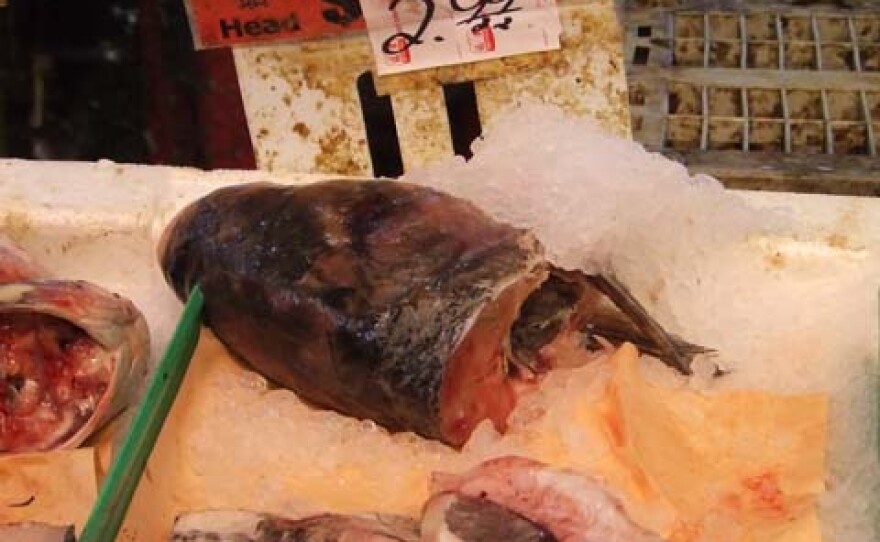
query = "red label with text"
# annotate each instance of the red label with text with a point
(218, 23)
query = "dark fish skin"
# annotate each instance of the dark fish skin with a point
(472, 519)
(241, 526)
(36, 532)
(387, 300)
(354, 294)
(567, 505)
(334, 528)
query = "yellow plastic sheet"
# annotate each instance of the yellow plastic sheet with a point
(58, 488)
(737, 466)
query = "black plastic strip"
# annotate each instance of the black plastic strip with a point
(382, 139)
(464, 116)
(640, 56)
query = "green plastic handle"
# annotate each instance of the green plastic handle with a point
(125, 473)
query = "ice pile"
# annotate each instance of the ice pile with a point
(789, 307)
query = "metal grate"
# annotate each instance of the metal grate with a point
(760, 83)
(774, 40)
(770, 119)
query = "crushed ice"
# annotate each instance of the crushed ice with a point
(746, 280)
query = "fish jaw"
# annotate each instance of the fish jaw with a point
(116, 343)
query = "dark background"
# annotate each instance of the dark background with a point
(118, 80)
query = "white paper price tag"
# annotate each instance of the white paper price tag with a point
(415, 34)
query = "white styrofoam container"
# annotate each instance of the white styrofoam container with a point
(101, 221)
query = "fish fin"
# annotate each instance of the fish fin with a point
(647, 334)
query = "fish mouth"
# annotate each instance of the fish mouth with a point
(556, 325)
(553, 318)
(53, 377)
(535, 325)
(481, 382)
(71, 356)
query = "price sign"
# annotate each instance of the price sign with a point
(415, 34)
(217, 23)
